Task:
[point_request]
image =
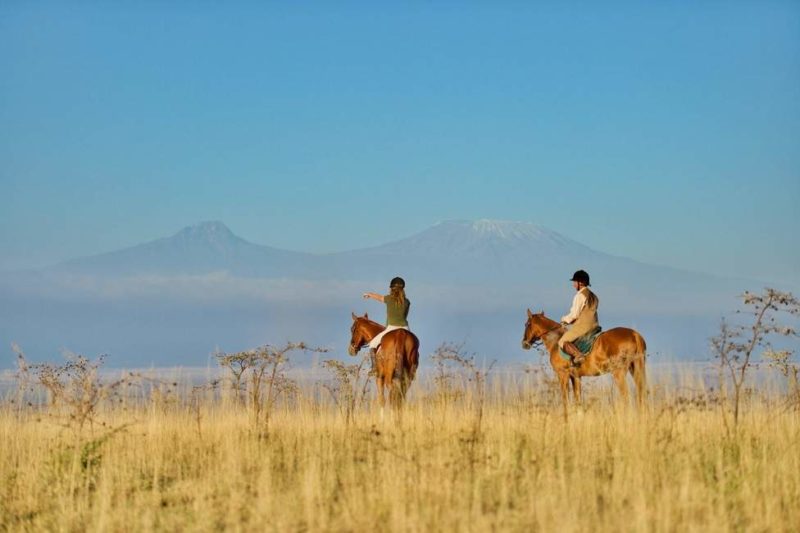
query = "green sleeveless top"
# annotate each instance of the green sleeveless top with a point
(396, 315)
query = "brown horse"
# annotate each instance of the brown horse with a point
(396, 362)
(618, 351)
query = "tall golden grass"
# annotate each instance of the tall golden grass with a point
(452, 460)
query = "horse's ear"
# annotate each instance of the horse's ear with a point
(366, 316)
(529, 313)
(354, 315)
(541, 313)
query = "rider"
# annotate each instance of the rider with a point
(397, 306)
(582, 316)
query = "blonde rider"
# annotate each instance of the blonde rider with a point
(582, 316)
(397, 306)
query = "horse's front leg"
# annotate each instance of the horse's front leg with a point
(576, 388)
(563, 381)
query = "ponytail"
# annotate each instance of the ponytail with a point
(398, 293)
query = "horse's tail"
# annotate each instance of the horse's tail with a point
(406, 354)
(641, 346)
(411, 355)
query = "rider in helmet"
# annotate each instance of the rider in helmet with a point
(582, 316)
(397, 306)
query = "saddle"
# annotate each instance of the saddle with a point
(584, 344)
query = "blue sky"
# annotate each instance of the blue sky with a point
(666, 132)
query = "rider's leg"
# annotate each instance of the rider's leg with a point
(566, 344)
(572, 350)
(375, 343)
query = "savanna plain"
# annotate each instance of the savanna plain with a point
(258, 447)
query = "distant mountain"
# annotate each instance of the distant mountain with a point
(533, 258)
(490, 254)
(482, 251)
(457, 250)
(205, 247)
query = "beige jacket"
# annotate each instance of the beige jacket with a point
(582, 316)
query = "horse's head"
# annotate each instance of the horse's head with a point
(535, 328)
(359, 335)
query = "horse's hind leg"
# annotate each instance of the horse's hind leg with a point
(395, 397)
(563, 381)
(405, 382)
(620, 375)
(393, 381)
(381, 384)
(398, 390)
(640, 379)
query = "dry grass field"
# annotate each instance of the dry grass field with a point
(464, 455)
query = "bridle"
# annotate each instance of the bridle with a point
(364, 342)
(358, 348)
(353, 346)
(539, 337)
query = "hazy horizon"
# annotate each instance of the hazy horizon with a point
(176, 299)
(123, 246)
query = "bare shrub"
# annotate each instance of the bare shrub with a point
(451, 360)
(349, 387)
(22, 378)
(196, 403)
(75, 394)
(736, 344)
(444, 378)
(163, 395)
(237, 364)
(259, 375)
(75, 390)
(781, 360)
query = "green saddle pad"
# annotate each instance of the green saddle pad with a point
(584, 344)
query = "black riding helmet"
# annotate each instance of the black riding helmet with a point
(581, 276)
(397, 282)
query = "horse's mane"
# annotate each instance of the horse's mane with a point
(370, 322)
(548, 321)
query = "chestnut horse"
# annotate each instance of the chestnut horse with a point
(618, 351)
(396, 362)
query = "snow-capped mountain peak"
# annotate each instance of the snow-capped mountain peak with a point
(483, 236)
(211, 232)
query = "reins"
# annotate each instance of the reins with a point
(540, 337)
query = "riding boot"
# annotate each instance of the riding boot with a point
(572, 350)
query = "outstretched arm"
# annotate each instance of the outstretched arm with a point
(373, 296)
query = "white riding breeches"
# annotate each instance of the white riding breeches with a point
(374, 343)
